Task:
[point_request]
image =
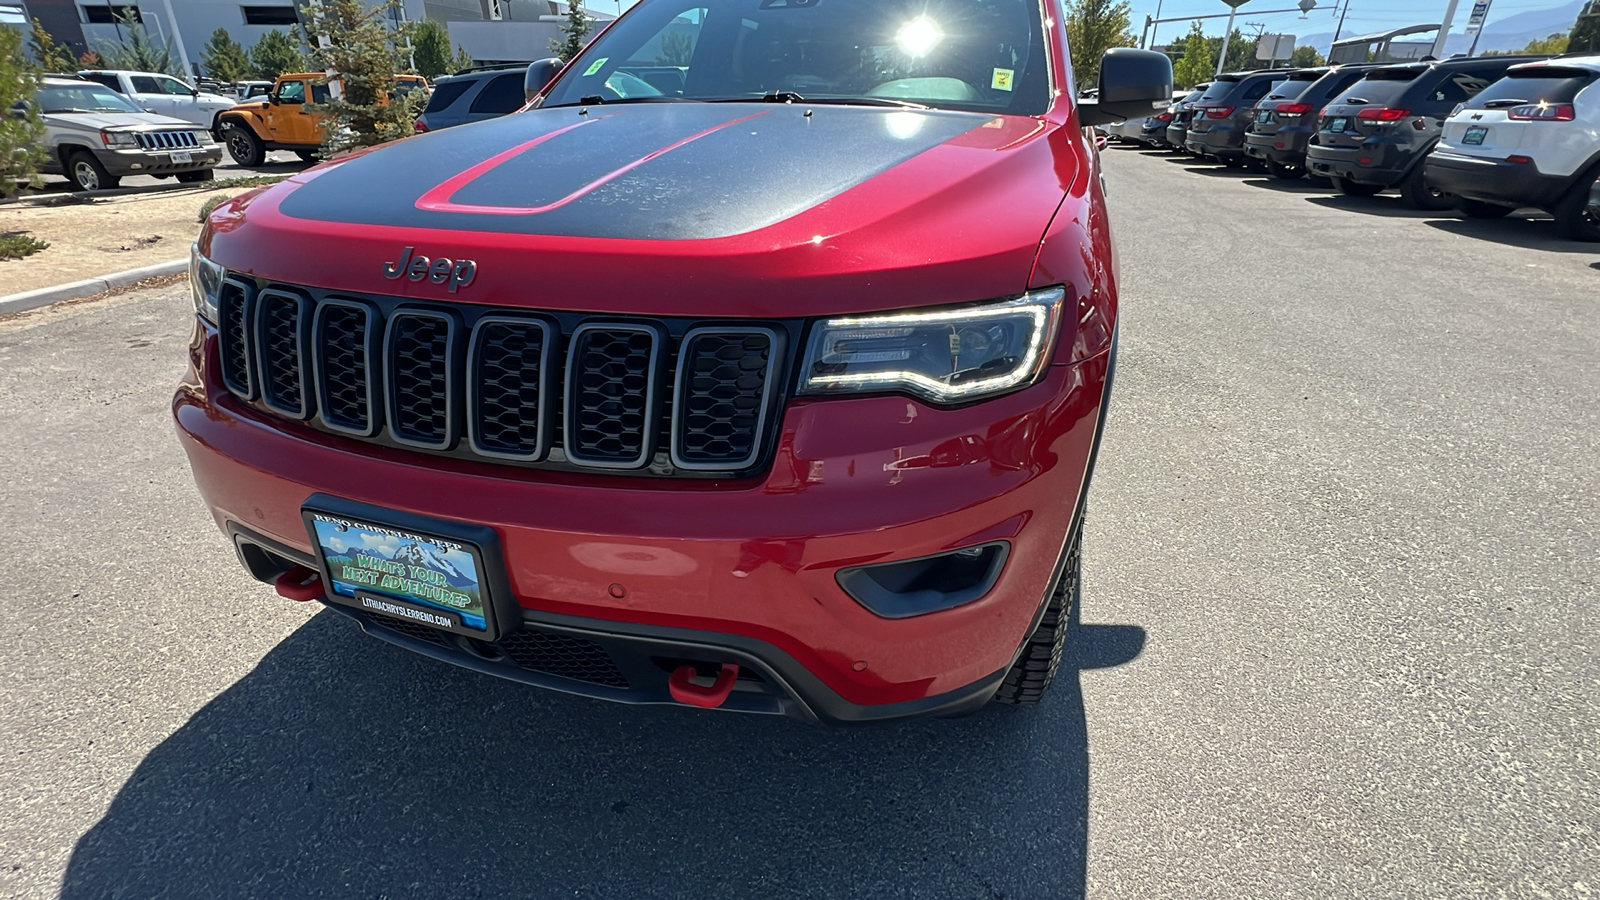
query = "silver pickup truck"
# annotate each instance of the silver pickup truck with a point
(96, 137)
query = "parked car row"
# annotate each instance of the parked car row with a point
(95, 136)
(1485, 136)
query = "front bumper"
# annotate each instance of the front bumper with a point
(158, 162)
(748, 567)
(1496, 181)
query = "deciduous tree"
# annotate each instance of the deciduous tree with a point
(1194, 67)
(51, 56)
(22, 132)
(1093, 27)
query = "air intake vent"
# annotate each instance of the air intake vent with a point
(419, 349)
(611, 395)
(233, 311)
(283, 321)
(508, 388)
(723, 393)
(345, 346)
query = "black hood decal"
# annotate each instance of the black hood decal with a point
(680, 171)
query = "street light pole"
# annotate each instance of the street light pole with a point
(1153, 24)
(1226, 36)
(1444, 29)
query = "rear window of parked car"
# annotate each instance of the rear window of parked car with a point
(1546, 84)
(503, 94)
(1381, 87)
(1219, 89)
(446, 93)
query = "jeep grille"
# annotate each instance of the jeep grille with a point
(554, 390)
(167, 140)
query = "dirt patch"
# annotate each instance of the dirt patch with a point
(102, 236)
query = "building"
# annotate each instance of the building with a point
(489, 30)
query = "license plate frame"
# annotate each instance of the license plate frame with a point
(425, 585)
(1474, 136)
(1264, 117)
(1339, 125)
(182, 157)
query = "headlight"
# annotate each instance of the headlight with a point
(118, 140)
(205, 283)
(945, 356)
(201, 137)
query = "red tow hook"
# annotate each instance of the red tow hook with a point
(684, 690)
(299, 584)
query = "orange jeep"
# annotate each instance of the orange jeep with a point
(281, 121)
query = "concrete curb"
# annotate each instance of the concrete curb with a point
(26, 300)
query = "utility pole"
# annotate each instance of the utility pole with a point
(1233, 10)
(1444, 29)
(1153, 24)
(1340, 30)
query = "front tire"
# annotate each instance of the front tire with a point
(1417, 193)
(1574, 217)
(1035, 668)
(88, 174)
(245, 148)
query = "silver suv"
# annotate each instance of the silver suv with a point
(96, 136)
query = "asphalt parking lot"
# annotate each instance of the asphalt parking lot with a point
(1338, 636)
(278, 162)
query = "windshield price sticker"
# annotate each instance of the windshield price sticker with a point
(595, 66)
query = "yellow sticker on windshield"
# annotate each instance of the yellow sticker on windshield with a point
(1002, 79)
(595, 67)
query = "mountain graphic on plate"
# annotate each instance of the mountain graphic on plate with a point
(429, 557)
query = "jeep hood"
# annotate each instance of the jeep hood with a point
(122, 121)
(678, 208)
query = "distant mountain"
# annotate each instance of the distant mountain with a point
(417, 554)
(1509, 33)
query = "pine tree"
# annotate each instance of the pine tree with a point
(137, 50)
(274, 54)
(1585, 36)
(223, 58)
(365, 47)
(22, 132)
(430, 49)
(574, 32)
(1093, 27)
(51, 56)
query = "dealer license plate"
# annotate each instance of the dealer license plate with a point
(182, 157)
(1475, 135)
(423, 578)
(1263, 117)
(1339, 126)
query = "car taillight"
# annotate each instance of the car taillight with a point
(1294, 109)
(1542, 112)
(419, 127)
(1218, 112)
(1383, 114)
(1164, 117)
(1519, 160)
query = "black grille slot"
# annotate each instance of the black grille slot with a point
(611, 395)
(233, 311)
(508, 388)
(282, 321)
(722, 395)
(559, 654)
(344, 339)
(419, 352)
(410, 629)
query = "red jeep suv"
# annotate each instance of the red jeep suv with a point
(760, 363)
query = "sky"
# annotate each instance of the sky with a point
(1365, 17)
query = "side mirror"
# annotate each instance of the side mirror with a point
(540, 74)
(273, 99)
(1134, 84)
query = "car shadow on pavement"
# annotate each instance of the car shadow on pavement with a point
(1385, 205)
(343, 766)
(1288, 186)
(1533, 231)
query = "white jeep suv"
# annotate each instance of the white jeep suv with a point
(1530, 139)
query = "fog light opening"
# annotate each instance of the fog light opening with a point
(927, 584)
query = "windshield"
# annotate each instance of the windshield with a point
(82, 98)
(980, 55)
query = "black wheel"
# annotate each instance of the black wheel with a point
(1356, 188)
(87, 173)
(1477, 209)
(1575, 218)
(1031, 674)
(1285, 172)
(245, 148)
(196, 176)
(1417, 193)
(309, 156)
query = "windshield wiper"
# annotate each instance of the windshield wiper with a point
(597, 100)
(792, 97)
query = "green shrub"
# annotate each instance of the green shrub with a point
(17, 244)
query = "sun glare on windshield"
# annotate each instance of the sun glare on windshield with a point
(919, 36)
